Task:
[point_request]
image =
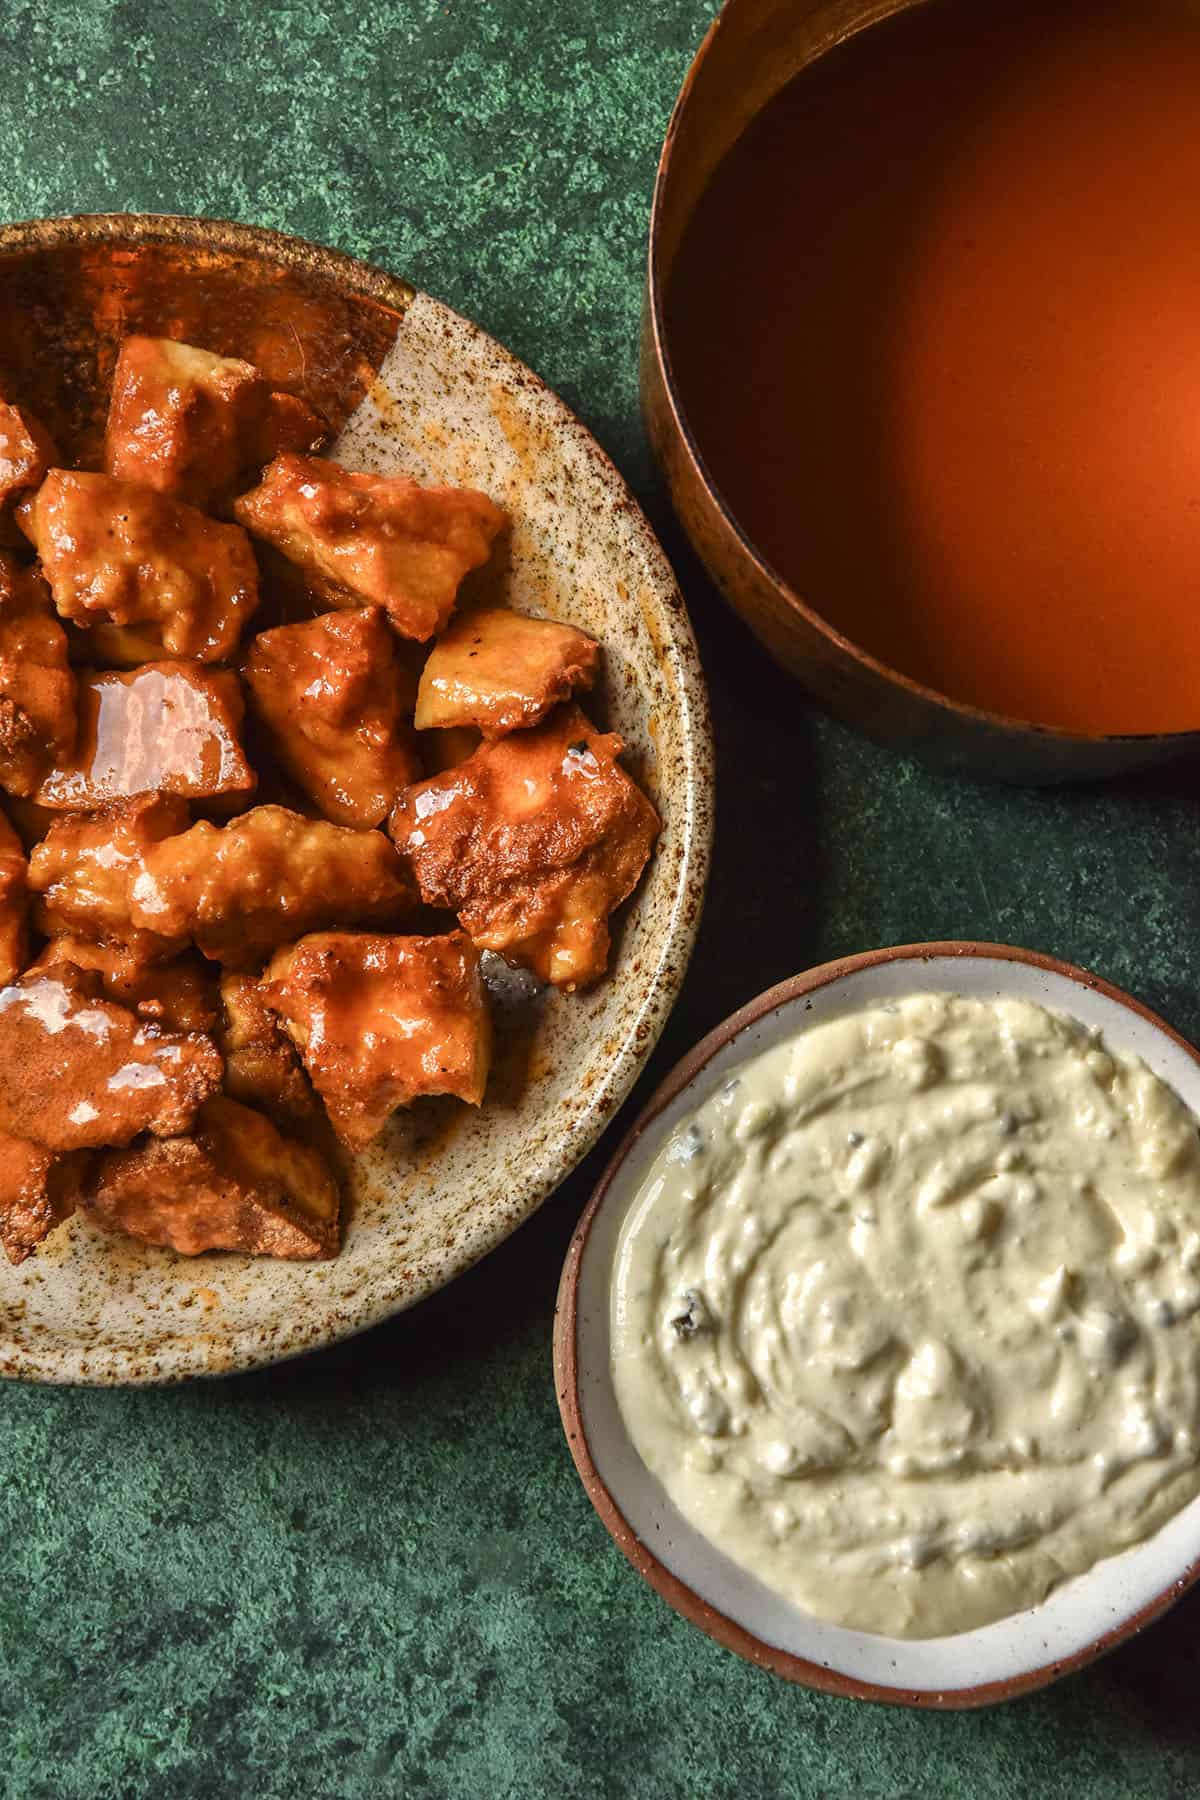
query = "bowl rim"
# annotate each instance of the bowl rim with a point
(660, 983)
(68, 229)
(678, 1594)
(962, 710)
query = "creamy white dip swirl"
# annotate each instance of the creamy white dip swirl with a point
(905, 1315)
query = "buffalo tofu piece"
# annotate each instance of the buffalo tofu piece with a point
(83, 869)
(39, 1188)
(242, 889)
(181, 995)
(502, 671)
(379, 540)
(335, 699)
(14, 904)
(117, 553)
(381, 1020)
(533, 842)
(234, 1183)
(169, 727)
(26, 452)
(37, 689)
(77, 1071)
(261, 1065)
(197, 425)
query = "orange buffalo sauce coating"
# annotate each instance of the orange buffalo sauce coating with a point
(37, 690)
(194, 424)
(262, 1066)
(935, 331)
(168, 727)
(180, 995)
(233, 1183)
(82, 873)
(534, 840)
(381, 1020)
(77, 1071)
(116, 553)
(374, 539)
(336, 702)
(39, 1188)
(241, 890)
(26, 451)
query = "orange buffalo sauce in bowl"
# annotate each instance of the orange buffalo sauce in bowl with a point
(935, 330)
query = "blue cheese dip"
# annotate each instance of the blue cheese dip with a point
(904, 1317)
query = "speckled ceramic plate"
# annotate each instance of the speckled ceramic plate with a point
(414, 388)
(1081, 1619)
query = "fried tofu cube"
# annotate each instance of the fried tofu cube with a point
(379, 540)
(533, 842)
(37, 689)
(261, 1065)
(26, 452)
(334, 696)
(242, 889)
(14, 904)
(502, 671)
(117, 553)
(197, 425)
(84, 867)
(77, 1072)
(236, 1183)
(180, 995)
(379, 1021)
(168, 727)
(39, 1188)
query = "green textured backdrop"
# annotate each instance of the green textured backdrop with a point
(374, 1572)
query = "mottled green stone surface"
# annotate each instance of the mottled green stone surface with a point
(374, 1572)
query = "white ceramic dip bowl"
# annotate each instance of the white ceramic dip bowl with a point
(1082, 1618)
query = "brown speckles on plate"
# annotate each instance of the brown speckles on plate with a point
(426, 393)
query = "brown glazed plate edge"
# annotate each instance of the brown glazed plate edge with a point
(187, 229)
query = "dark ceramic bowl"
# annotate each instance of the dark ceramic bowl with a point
(410, 387)
(1081, 1619)
(752, 50)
